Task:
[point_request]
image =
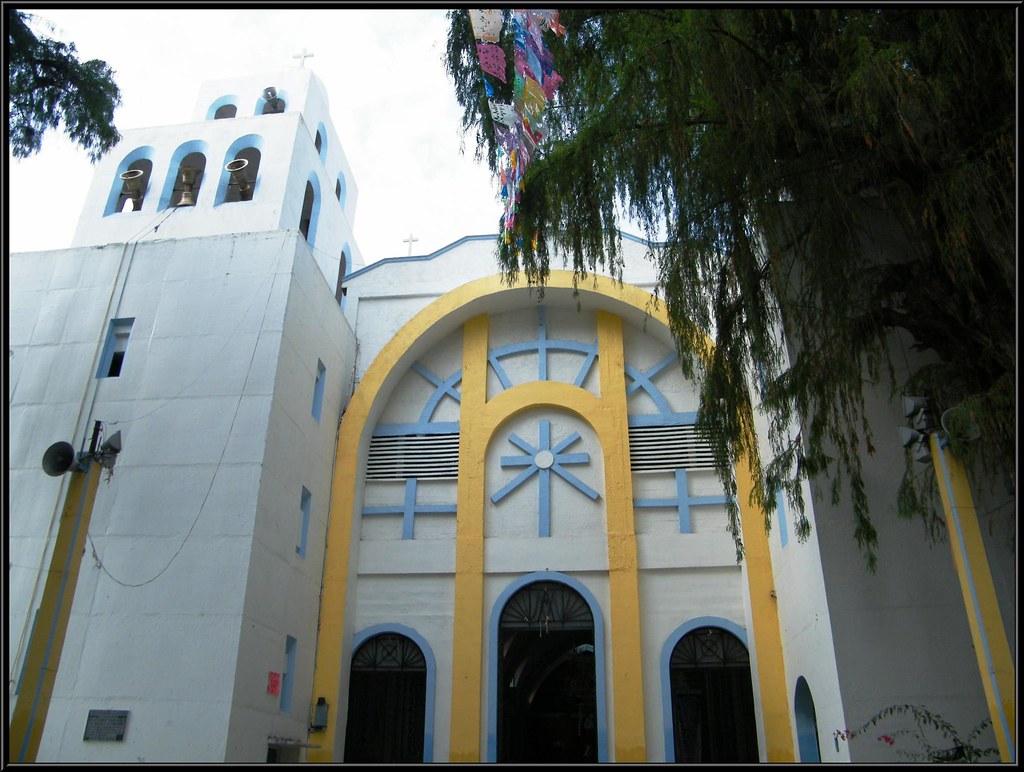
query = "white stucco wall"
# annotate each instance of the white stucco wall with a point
(171, 541)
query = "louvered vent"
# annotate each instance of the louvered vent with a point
(667, 448)
(423, 456)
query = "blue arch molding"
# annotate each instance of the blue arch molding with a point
(542, 345)
(555, 461)
(492, 657)
(143, 152)
(666, 658)
(428, 655)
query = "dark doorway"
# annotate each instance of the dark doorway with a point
(712, 699)
(547, 692)
(387, 695)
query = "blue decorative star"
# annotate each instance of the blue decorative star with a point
(543, 461)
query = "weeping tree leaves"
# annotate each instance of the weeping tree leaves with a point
(762, 146)
(48, 85)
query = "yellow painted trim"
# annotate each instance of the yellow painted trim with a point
(612, 424)
(764, 613)
(45, 647)
(468, 624)
(995, 662)
(608, 417)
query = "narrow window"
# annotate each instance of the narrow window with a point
(225, 111)
(318, 390)
(288, 676)
(340, 189)
(115, 348)
(339, 293)
(318, 143)
(305, 505)
(306, 218)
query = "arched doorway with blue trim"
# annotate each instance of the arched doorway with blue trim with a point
(391, 697)
(708, 701)
(806, 723)
(547, 668)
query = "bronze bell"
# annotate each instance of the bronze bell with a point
(188, 179)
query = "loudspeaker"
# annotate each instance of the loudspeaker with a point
(58, 458)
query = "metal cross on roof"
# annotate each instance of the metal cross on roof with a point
(409, 241)
(302, 56)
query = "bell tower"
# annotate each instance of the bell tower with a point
(259, 153)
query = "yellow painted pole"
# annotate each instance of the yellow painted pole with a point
(47, 642)
(995, 663)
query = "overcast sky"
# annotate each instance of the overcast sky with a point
(392, 103)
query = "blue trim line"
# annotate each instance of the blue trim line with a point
(663, 419)
(408, 509)
(424, 427)
(780, 508)
(683, 501)
(642, 380)
(421, 258)
(428, 655)
(492, 658)
(444, 388)
(666, 659)
(484, 237)
(955, 511)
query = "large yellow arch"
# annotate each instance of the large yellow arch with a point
(480, 419)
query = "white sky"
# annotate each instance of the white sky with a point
(392, 103)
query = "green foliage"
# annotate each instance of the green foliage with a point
(48, 86)
(834, 174)
(952, 749)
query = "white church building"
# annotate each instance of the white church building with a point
(324, 508)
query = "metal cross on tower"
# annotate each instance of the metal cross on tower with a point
(302, 57)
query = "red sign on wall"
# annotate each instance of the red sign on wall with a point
(273, 683)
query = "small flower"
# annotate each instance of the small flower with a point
(888, 739)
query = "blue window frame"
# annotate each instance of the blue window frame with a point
(115, 347)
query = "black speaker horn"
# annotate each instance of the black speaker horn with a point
(58, 458)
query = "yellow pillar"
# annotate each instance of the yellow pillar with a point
(47, 642)
(623, 570)
(764, 612)
(467, 653)
(991, 646)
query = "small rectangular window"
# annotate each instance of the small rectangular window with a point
(318, 390)
(288, 677)
(115, 348)
(305, 505)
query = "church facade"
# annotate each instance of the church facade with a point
(403, 511)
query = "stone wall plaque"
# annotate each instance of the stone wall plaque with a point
(106, 725)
